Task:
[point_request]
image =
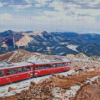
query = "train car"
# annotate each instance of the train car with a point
(24, 70)
(17, 72)
(44, 68)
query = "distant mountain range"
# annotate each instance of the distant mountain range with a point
(54, 43)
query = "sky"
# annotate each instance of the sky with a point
(82, 16)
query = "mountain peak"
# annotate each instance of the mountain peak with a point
(9, 31)
(39, 32)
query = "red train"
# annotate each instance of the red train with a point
(24, 70)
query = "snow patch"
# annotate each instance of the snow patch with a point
(73, 47)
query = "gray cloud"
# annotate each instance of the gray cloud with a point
(82, 4)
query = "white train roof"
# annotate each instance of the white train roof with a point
(4, 65)
(49, 61)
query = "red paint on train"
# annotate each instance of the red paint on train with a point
(8, 75)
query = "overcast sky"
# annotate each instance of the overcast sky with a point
(82, 16)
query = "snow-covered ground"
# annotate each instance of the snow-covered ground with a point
(73, 47)
(24, 84)
(15, 52)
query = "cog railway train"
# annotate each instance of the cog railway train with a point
(24, 70)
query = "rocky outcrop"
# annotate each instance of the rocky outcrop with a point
(94, 58)
(61, 88)
(81, 56)
(78, 69)
(11, 89)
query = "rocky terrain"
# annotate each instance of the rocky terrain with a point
(52, 43)
(82, 82)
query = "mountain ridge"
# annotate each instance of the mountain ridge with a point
(57, 42)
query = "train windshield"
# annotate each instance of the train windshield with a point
(1, 73)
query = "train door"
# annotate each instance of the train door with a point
(9, 78)
(54, 68)
(32, 71)
(2, 77)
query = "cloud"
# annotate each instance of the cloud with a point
(6, 16)
(65, 13)
(5, 3)
(1, 4)
(29, 1)
(42, 2)
(59, 6)
(18, 7)
(76, 10)
(38, 3)
(85, 4)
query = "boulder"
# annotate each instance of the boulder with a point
(96, 68)
(33, 83)
(41, 81)
(87, 67)
(56, 75)
(78, 69)
(63, 91)
(73, 74)
(11, 88)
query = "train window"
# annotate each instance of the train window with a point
(24, 69)
(14, 71)
(46, 66)
(61, 65)
(50, 66)
(54, 65)
(43, 66)
(58, 65)
(66, 64)
(40, 67)
(69, 63)
(19, 70)
(32, 68)
(1, 73)
(36, 67)
(8, 72)
(28, 68)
